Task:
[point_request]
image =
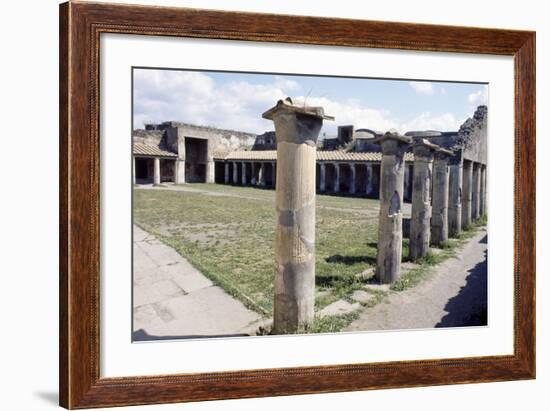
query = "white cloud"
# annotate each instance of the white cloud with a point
(351, 112)
(427, 121)
(286, 84)
(422, 87)
(196, 98)
(478, 98)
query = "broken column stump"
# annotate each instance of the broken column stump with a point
(297, 129)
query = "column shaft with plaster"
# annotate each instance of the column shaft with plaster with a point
(466, 194)
(297, 129)
(483, 196)
(390, 229)
(476, 191)
(440, 199)
(421, 210)
(455, 195)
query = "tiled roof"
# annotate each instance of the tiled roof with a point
(150, 150)
(271, 155)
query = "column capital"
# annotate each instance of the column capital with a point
(392, 142)
(296, 124)
(424, 148)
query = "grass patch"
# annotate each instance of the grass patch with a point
(230, 239)
(411, 278)
(331, 323)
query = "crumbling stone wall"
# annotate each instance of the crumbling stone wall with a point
(149, 137)
(472, 135)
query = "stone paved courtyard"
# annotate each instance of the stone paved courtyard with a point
(173, 300)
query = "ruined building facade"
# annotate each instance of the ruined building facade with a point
(347, 164)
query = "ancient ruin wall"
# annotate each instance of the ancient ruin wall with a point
(472, 135)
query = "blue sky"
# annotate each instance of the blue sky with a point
(237, 100)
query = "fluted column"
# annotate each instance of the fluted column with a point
(336, 177)
(421, 213)
(466, 194)
(483, 196)
(440, 198)
(297, 129)
(476, 191)
(156, 171)
(455, 195)
(369, 178)
(390, 229)
(352, 177)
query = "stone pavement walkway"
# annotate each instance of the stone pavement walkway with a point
(172, 299)
(453, 296)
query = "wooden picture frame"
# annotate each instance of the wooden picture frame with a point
(80, 27)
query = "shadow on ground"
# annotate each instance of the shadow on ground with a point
(469, 307)
(350, 259)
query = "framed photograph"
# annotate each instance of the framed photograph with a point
(259, 205)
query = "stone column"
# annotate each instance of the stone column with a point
(440, 197)
(226, 173)
(262, 175)
(455, 195)
(466, 193)
(243, 173)
(297, 129)
(336, 177)
(419, 242)
(406, 184)
(180, 171)
(352, 178)
(476, 191)
(322, 173)
(156, 171)
(368, 189)
(253, 173)
(390, 224)
(483, 195)
(210, 171)
(235, 173)
(134, 169)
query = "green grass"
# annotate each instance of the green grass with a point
(230, 239)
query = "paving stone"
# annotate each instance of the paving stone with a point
(192, 282)
(144, 314)
(338, 307)
(172, 299)
(206, 312)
